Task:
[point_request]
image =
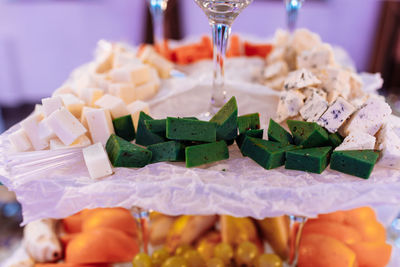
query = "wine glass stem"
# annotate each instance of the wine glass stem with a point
(220, 34)
(296, 228)
(142, 222)
(157, 13)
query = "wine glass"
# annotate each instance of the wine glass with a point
(221, 14)
(157, 10)
(292, 10)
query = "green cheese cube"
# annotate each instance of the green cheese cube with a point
(308, 134)
(335, 139)
(124, 128)
(248, 122)
(145, 137)
(359, 163)
(226, 120)
(277, 133)
(312, 160)
(157, 126)
(267, 154)
(191, 130)
(251, 133)
(124, 154)
(167, 151)
(206, 153)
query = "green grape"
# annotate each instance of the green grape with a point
(268, 260)
(206, 249)
(142, 260)
(215, 262)
(175, 261)
(245, 254)
(194, 259)
(224, 252)
(159, 256)
(181, 250)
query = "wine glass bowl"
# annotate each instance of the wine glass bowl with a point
(220, 14)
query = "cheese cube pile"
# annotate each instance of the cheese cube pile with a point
(316, 88)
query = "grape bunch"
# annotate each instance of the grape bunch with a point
(245, 254)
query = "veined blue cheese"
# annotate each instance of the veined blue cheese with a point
(299, 79)
(278, 68)
(358, 141)
(309, 91)
(289, 105)
(389, 144)
(314, 107)
(370, 118)
(336, 115)
(316, 58)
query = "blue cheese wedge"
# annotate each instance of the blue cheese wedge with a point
(278, 68)
(318, 57)
(336, 115)
(358, 141)
(290, 103)
(309, 91)
(389, 144)
(370, 118)
(299, 79)
(314, 107)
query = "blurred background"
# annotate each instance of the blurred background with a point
(41, 41)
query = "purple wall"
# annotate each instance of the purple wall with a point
(41, 43)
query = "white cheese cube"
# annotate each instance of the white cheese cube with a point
(162, 65)
(31, 128)
(336, 115)
(125, 91)
(65, 126)
(114, 104)
(140, 74)
(299, 79)
(304, 39)
(334, 80)
(276, 83)
(100, 125)
(136, 74)
(122, 59)
(83, 141)
(155, 78)
(277, 54)
(278, 68)
(389, 144)
(39, 111)
(51, 104)
(316, 58)
(146, 91)
(45, 132)
(290, 103)
(85, 110)
(135, 108)
(97, 162)
(104, 62)
(356, 85)
(370, 118)
(357, 141)
(19, 139)
(99, 81)
(90, 95)
(314, 107)
(73, 104)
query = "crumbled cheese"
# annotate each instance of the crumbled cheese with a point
(299, 79)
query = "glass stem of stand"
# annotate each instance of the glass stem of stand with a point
(142, 222)
(157, 11)
(296, 230)
(292, 11)
(220, 34)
